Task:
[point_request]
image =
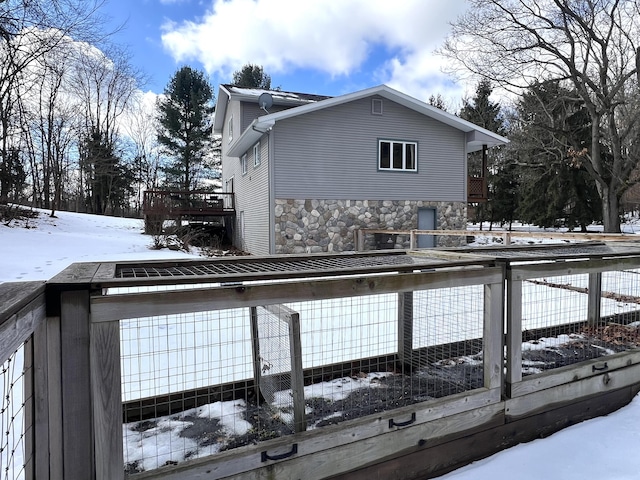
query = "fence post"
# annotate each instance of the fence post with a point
(359, 239)
(104, 347)
(77, 438)
(405, 327)
(413, 243)
(595, 295)
(514, 330)
(493, 334)
(255, 348)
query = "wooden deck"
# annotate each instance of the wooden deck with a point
(188, 203)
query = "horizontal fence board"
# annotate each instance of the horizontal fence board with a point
(564, 394)
(372, 450)
(18, 327)
(14, 296)
(433, 419)
(571, 373)
(452, 453)
(524, 272)
(117, 307)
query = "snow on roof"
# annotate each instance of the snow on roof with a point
(276, 94)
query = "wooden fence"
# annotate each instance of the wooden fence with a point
(364, 239)
(429, 324)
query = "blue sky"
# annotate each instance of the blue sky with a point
(326, 47)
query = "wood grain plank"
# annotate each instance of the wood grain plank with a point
(571, 373)
(116, 307)
(562, 395)
(77, 435)
(310, 443)
(14, 296)
(20, 326)
(107, 400)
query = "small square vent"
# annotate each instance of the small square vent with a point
(376, 106)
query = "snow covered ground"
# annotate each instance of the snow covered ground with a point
(603, 448)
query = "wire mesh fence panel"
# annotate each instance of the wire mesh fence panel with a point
(619, 325)
(348, 352)
(279, 364)
(13, 417)
(621, 294)
(445, 339)
(555, 327)
(346, 329)
(182, 383)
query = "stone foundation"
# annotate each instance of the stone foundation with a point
(314, 226)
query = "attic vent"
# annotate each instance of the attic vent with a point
(376, 106)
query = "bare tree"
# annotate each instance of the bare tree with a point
(29, 30)
(592, 45)
(104, 84)
(141, 127)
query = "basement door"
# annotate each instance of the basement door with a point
(426, 221)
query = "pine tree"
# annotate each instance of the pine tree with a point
(252, 76)
(186, 126)
(481, 111)
(556, 189)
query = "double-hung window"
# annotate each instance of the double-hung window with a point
(398, 155)
(243, 163)
(256, 155)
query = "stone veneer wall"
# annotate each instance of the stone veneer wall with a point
(314, 226)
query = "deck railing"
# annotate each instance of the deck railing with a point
(309, 366)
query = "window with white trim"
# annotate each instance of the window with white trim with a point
(257, 154)
(243, 163)
(230, 128)
(398, 155)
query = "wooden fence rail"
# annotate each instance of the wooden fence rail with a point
(505, 235)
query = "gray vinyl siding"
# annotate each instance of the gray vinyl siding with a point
(333, 154)
(251, 111)
(252, 197)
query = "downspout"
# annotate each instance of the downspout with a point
(272, 193)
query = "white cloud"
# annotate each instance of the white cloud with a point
(332, 37)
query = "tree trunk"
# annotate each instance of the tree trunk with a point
(610, 216)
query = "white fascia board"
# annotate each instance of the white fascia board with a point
(221, 109)
(490, 138)
(250, 136)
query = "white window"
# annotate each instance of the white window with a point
(243, 163)
(397, 155)
(230, 128)
(256, 155)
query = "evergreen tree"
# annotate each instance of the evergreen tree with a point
(252, 76)
(110, 180)
(552, 127)
(185, 126)
(481, 111)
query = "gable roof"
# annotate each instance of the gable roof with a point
(280, 97)
(476, 136)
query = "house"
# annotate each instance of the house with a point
(307, 170)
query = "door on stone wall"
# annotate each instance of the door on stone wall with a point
(426, 221)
